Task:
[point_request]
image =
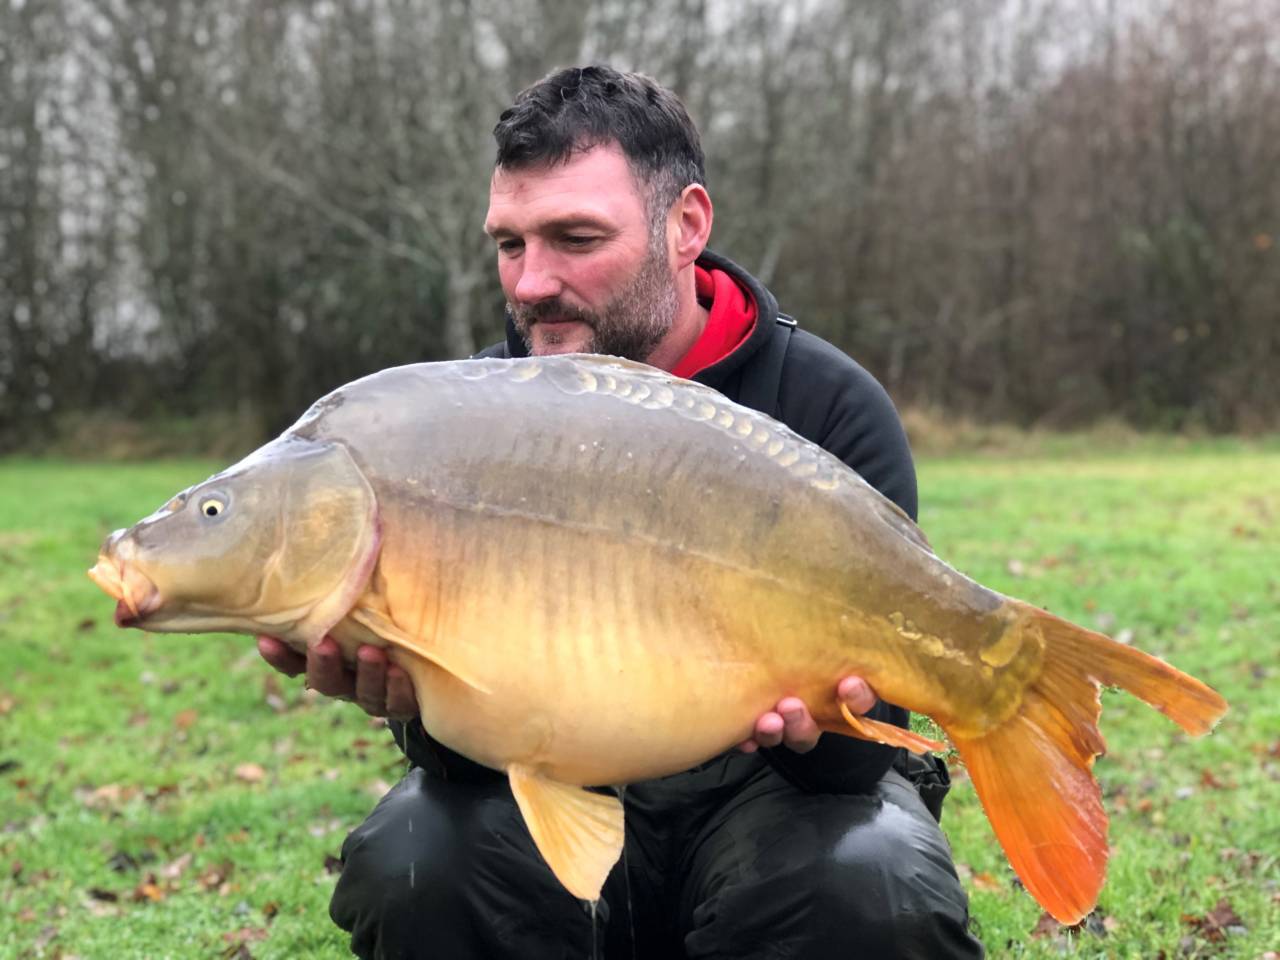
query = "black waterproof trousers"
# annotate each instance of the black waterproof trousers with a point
(728, 860)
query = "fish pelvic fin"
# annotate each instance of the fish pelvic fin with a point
(1033, 772)
(578, 832)
(877, 731)
(383, 626)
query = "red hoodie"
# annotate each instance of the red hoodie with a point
(733, 317)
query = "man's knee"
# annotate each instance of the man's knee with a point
(855, 876)
(405, 869)
(889, 884)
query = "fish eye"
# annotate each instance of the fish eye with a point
(212, 507)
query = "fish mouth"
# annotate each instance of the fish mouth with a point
(135, 595)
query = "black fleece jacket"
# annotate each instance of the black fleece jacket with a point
(829, 399)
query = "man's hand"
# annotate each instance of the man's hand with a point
(790, 722)
(380, 688)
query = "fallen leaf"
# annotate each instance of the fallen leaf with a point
(107, 896)
(1209, 781)
(174, 869)
(6, 705)
(270, 909)
(250, 773)
(1213, 926)
(985, 881)
(84, 625)
(108, 795)
(245, 935)
(1046, 926)
(184, 719)
(15, 869)
(215, 876)
(148, 890)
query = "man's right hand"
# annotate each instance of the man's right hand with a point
(381, 688)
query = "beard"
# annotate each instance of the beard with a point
(630, 325)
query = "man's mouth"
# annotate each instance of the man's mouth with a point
(135, 595)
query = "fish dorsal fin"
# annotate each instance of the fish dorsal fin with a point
(578, 833)
(382, 625)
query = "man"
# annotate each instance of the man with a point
(600, 217)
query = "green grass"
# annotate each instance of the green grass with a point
(126, 831)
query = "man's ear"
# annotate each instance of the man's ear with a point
(692, 217)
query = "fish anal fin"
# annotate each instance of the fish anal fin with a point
(864, 728)
(579, 833)
(382, 626)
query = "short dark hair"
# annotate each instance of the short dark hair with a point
(573, 110)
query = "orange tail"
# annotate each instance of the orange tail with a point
(1033, 772)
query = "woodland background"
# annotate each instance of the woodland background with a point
(1034, 212)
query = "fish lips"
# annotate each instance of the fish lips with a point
(135, 595)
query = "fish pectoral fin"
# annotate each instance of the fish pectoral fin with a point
(382, 625)
(578, 832)
(864, 728)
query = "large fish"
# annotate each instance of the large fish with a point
(596, 573)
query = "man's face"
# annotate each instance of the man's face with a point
(578, 264)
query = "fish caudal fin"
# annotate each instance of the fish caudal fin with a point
(579, 833)
(1033, 771)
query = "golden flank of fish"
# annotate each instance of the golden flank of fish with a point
(596, 573)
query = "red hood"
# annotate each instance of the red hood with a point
(732, 318)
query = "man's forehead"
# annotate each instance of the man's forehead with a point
(597, 182)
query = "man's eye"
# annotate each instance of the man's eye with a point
(510, 246)
(578, 240)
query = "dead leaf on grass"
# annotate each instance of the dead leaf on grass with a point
(148, 891)
(250, 773)
(985, 881)
(216, 876)
(245, 935)
(1095, 923)
(184, 719)
(108, 795)
(174, 869)
(6, 705)
(1215, 924)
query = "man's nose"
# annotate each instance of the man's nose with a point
(539, 279)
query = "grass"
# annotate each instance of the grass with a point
(166, 797)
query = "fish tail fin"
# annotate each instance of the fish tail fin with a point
(1033, 772)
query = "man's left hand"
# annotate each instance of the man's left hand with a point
(790, 722)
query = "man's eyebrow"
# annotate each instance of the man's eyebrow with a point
(571, 221)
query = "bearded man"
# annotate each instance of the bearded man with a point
(785, 847)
